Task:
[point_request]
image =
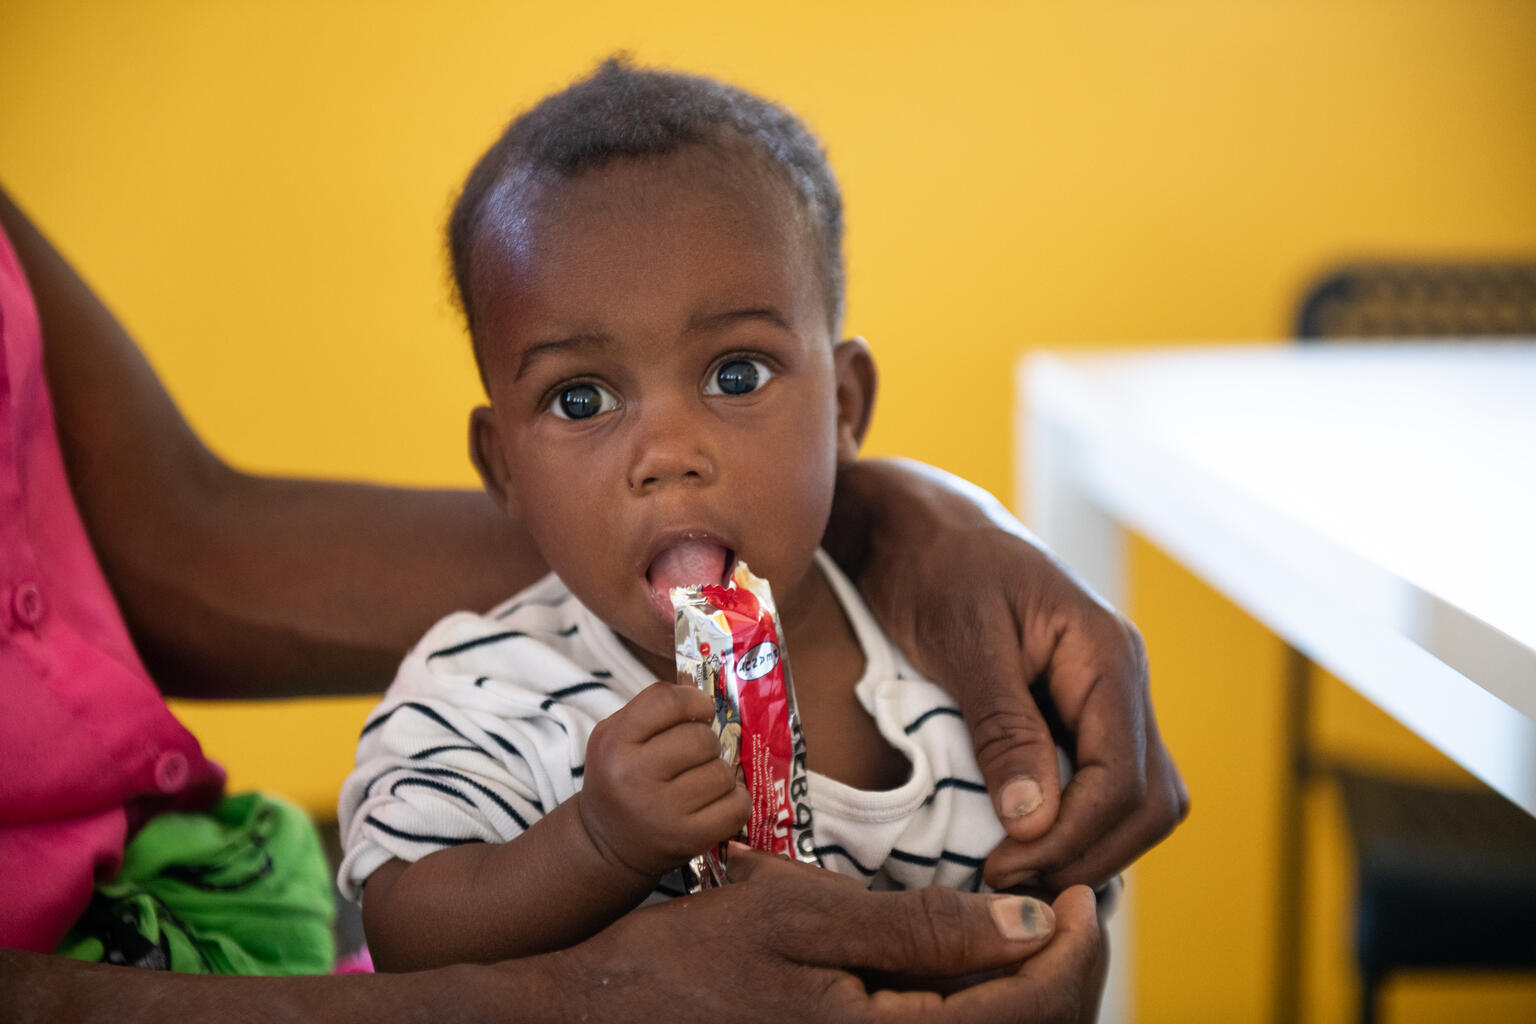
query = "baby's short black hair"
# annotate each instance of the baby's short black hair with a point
(624, 111)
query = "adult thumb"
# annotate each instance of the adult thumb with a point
(830, 920)
(1014, 750)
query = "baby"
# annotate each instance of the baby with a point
(651, 267)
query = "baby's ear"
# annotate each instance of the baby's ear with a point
(856, 380)
(486, 452)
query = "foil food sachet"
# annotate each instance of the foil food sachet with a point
(730, 645)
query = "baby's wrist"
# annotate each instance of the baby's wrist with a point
(626, 862)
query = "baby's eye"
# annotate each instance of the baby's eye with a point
(581, 402)
(737, 377)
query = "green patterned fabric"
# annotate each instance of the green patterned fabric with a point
(241, 889)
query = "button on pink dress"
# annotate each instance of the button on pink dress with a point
(86, 742)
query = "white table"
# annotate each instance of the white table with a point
(1373, 505)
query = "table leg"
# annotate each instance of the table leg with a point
(1290, 885)
(1086, 538)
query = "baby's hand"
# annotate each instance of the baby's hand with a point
(656, 791)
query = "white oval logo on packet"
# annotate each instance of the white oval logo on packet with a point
(758, 661)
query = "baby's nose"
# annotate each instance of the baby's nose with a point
(671, 449)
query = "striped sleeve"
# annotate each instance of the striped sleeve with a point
(482, 732)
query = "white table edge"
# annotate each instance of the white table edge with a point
(1447, 675)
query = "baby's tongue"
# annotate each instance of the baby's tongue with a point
(686, 564)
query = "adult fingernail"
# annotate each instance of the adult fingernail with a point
(1021, 796)
(1022, 917)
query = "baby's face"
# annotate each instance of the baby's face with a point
(665, 394)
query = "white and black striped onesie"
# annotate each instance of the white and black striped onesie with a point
(485, 728)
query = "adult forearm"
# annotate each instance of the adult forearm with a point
(267, 587)
(37, 989)
(885, 505)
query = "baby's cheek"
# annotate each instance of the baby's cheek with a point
(800, 502)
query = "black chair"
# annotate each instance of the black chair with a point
(1444, 877)
(1378, 301)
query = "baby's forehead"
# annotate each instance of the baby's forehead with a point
(724, 178)
(633, 226)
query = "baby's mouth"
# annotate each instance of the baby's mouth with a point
(686, 564)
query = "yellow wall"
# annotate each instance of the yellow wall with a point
(258, 188)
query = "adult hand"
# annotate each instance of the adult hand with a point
(782, 941)
(982, 608)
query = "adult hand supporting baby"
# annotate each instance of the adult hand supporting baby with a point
(780, 943)
(1019, 619)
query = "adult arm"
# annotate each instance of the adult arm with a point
(236, 585)
(980, 606)
(688, 959)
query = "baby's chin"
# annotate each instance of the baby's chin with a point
(658, 655)
(645, 629)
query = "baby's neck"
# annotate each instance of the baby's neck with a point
(826, 664)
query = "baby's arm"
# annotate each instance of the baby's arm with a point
(655, 792)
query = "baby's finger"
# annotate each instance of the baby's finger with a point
(674, 751)
(722, 819)
(701, 786)
(658, 707)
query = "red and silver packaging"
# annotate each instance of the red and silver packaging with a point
(729, 645)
